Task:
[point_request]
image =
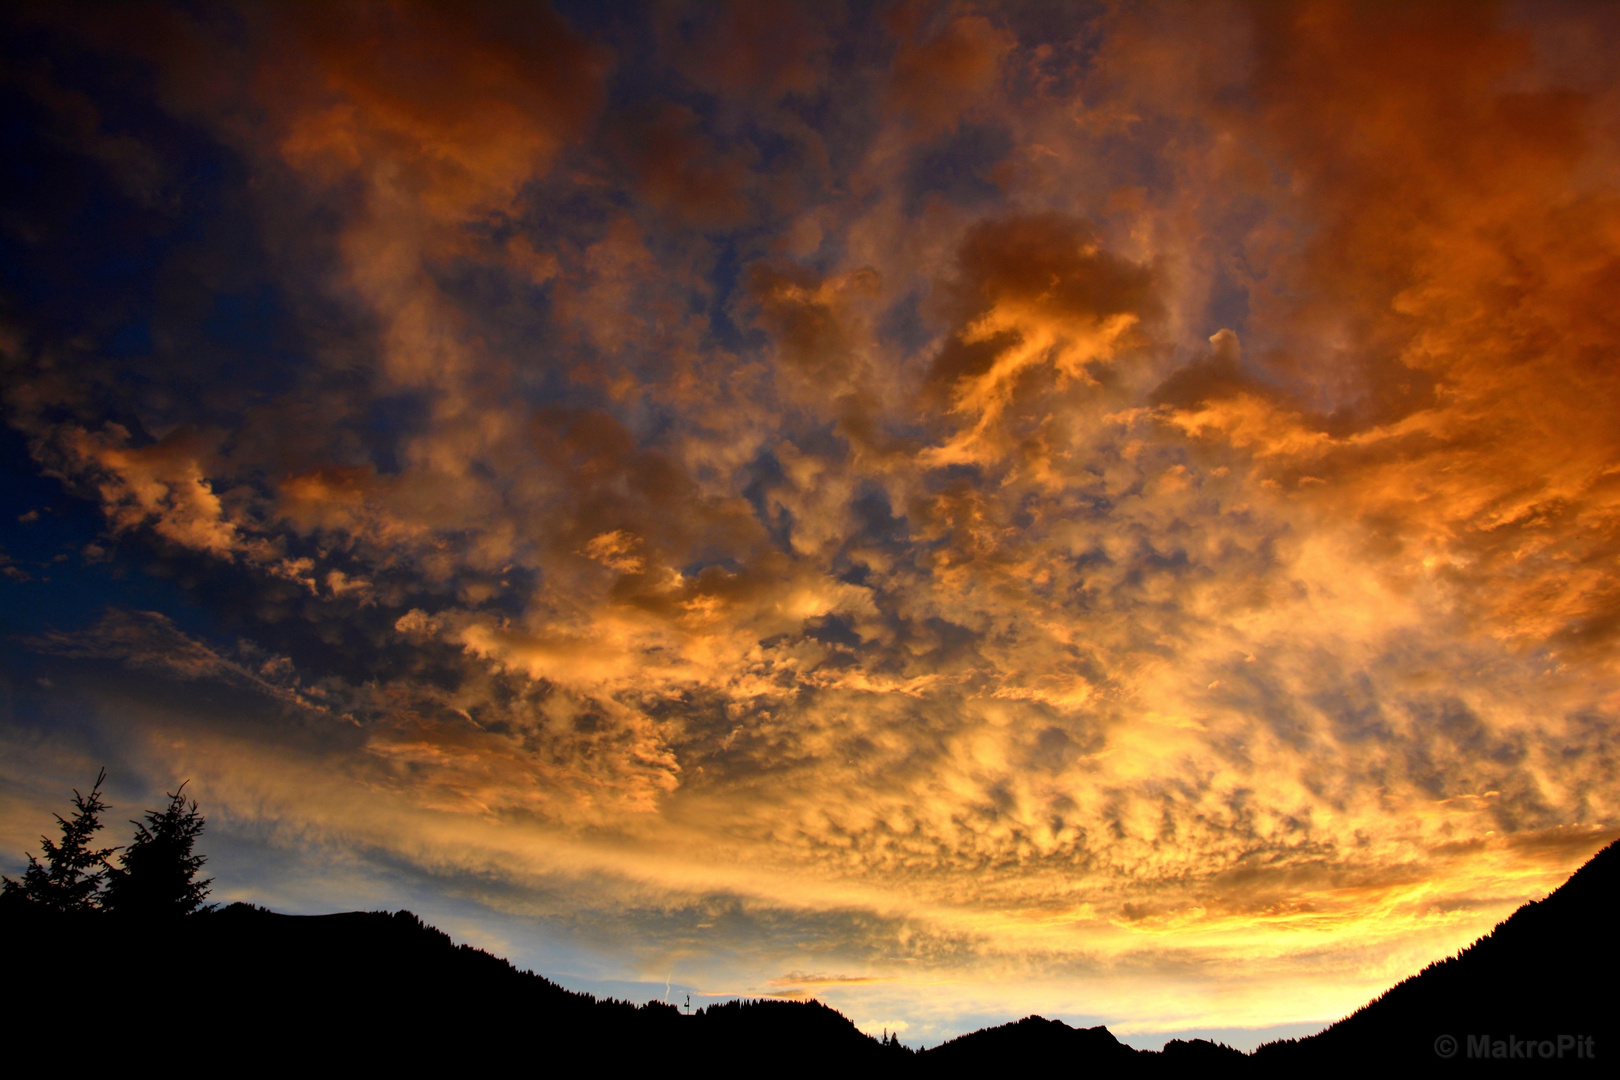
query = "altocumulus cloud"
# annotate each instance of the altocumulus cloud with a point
(1108, 512)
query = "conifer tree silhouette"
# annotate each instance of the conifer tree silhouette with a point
(73, 872)
(159, 875)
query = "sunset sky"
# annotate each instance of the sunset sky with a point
(956, 510)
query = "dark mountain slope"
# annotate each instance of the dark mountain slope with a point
(249, 990)
(1548, 970)
(1036, 1043)
(1033, 1041)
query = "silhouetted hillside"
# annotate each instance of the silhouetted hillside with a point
(244, 990)
(1546, 971)
(1035, 1043)
(248, 988)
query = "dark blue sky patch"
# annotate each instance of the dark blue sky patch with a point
(949, 476)
(711, 561)
(762, 476)
(245, 323)
(957, 167)
(74, 570)
(1229, 302)
(878, 523)
(1058, 43)
(389, 422)
(132, 342)
(903, 324)
(832, 630)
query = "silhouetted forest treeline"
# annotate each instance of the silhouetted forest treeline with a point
(245, 990)
(156, 876)
(377, 990)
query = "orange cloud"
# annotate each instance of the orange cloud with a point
(767, 49)
(681, 170)
(946, 62)
(455, 113)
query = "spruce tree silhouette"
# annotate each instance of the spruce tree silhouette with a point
(73, 872)
(159, 875)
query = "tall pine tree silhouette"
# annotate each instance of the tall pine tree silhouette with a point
(159, 875)
(73, 870)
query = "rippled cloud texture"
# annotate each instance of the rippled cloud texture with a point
(957, 510)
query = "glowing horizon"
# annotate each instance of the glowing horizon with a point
(959, 510)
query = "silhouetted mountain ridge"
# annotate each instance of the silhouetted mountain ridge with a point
(1545, 971)
(374, 988)
(251, 990)
(1037, 1041)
